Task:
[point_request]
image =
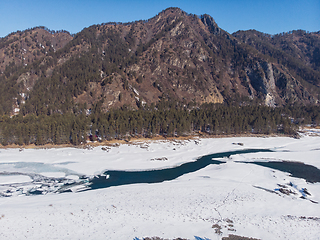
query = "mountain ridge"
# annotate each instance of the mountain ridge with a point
(172, 56)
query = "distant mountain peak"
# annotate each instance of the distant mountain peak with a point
(173, 10)
(210, 23)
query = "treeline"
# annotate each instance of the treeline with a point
(162, 119)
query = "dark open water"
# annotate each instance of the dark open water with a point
(296, 169)
(117, 178)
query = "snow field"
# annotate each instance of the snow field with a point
(230, 195)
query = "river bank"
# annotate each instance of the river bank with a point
(303, 131)
(135, 140)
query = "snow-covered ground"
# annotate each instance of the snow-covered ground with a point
(218, 200)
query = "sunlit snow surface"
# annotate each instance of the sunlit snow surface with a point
(243, 199)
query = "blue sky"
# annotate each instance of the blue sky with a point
(269, 16)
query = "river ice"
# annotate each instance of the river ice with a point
(242, 199)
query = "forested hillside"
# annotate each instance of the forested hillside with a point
(114, 79)
(297, 50)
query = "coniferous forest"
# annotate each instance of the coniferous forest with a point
(167, 119)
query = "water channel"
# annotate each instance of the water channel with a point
(42, 185)
(296, 169)
(117, 178)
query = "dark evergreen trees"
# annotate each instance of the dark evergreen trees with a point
(165, 119)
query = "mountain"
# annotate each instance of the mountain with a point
(297, 51)
(172, 56)
(21, 53)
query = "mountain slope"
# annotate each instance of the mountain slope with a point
(174, 55)
(20, 55)
(298, 51)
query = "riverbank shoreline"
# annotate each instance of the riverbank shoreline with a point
(138, 140)
(306, 130)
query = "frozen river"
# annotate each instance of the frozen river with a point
(221, 193)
